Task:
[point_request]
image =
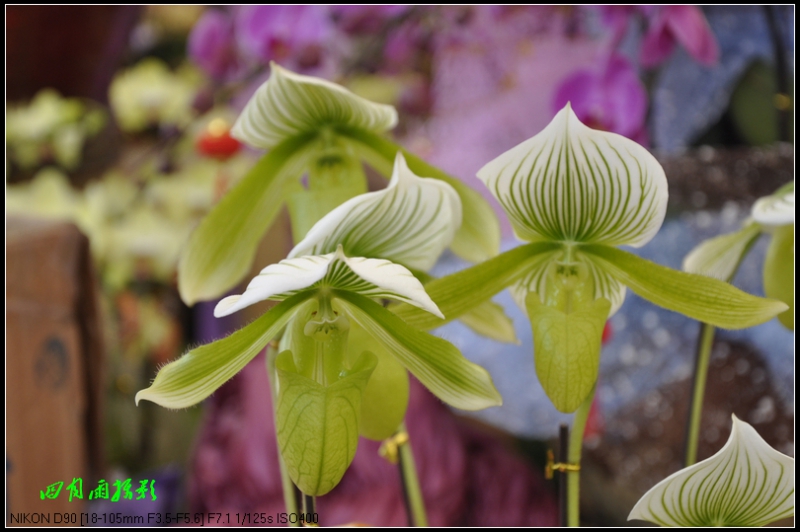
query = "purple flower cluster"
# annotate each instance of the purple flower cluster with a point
(612, 97)
(229, 44)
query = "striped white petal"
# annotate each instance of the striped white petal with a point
(535, 280)
(719, 257)
(410, 222)
(574, 184)
(290, 104)
(747, 483)
(775, 210)
(376, 278)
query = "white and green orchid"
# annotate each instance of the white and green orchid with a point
(343, 358)
(575, 194)
(308, 125)
(719, 257)
(747, 483)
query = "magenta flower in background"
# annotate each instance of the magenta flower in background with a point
(212, 47)
(686, 25)
(294, 36)
(612, 99)
(365, 19)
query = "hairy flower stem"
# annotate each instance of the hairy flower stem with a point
(698, 392)
(410, 482)
(289, 498)
(574, 456)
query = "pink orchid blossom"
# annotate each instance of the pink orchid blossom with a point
(612, 99)
(211, 45)
(686, 25)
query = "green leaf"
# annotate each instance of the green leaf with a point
(198, 373)
(719, 257)
(371, 277)
(779, 272)
(478, 238)
(490, 320)
(571, 183)
(566, 349)
(461, 292)
(221, 249)
(747, 483)
(385, 398)
(290, 104)
(317, 426)
(410, 222)
(702, 298)
(435, 362)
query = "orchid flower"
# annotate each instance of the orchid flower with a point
(314, 126)
(720, 257)
(326, 288)
(747, 483)
(575, 194)
(686, 25)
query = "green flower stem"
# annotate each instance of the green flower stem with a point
(698, 392)
(286, 483)
(411, 487)
(574, 457)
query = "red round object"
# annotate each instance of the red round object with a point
(220, 146)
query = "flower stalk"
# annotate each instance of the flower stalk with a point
(574, 459)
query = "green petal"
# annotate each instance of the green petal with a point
(478, 238)
(461, 292)
(566, 349)
(719, 257)
(317, 426)
(571, 183)
(198, 373)
(702, 298)
(487, 318)
(290, 104)
(385, 398)
(490, 320)
(220, 251)
(779, 272)
(410, 222)
(370, 277)
(747, 483)
(435, 362)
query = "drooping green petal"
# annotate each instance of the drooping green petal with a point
(385, 398)
(490, 320)
(410, 222)
(747, 483)
(435, 362)
(779, 271)
(702, 298)
(461, 292)
(370, 277)
(719, 257)
(777, 209)
(317, 426)
(221, 249)
(478, 238)
(566, 349)
(290, 104)
(198, 373)
(574, 184)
